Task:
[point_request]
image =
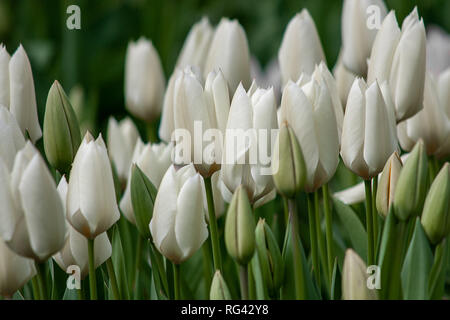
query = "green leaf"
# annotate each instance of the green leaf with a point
(336, 282)
(417, 266)
(119, 265)
(436, 281)
(353, 226)
(260, 287)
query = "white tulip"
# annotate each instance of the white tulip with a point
(229, 52)
(431, 124)
(253, 112)
(399, 58)
(178, 224)
(196, 45)
(75, 250)
(367, 134)
(91, 198)
(154, 160)
(4, 76)
(344, 80)
(167, 124)
(354, 278)
(15, 271)
(357, 32)
(144, 80)
(22, 96)
(208, 107)
(309, 111)
(443, 85)
(438, 48)
(31, 211)
(122, 137)
(11, 137)
(300, 48)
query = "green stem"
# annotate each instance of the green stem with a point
(286, 210)
(213, 225)
(296, 250)
(369, 223)
(152, 131)
(313, 237)
(319, 234)
(375, 216)
(329, 230)
(112, 279)
(207, 267)
(92, 278)
(137, 261)
(176, 280)
(40, 270)
(156, 274)
(35, 286)
(243, 281)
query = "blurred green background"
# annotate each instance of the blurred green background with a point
(93, 57)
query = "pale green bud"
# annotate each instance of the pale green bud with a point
(61, 130)
(219, 289)
(240, 228)
(411, 185)
(436, 211)
(354, 278)
(388, 184)
(288, 165)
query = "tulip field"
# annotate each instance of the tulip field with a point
(218, 180)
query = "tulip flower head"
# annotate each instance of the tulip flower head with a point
(354, 278)
(388, 183)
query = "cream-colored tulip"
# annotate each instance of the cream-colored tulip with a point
(11, 137)
(399, 57)
(178, 224)
(167, 125)
(75, 250)
(15, 271)
(438, 47)
(4, 76)
(367, 140)
(229, 52)
(358, 30)
(344, 80)
(443, 86)
(300, 48)
(22, 96)
(122, 138)
(252, 115)
(308, 109)
(154, 160)
(354, 278)
(31, 211)
(196, 45)
(387, 184)
(91, 198)
(144, 80)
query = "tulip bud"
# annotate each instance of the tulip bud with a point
(144, 80)
(11, 137)
(411, 184)
(436, 210)
(143, 194)
(15, 271)
(289, 171)
(91, 197)
(240, 228)
(178, 224)
(61, 130)
(344, 80)
(271, 262)
(388, 183)
(354, 278)
(219, 289)
(4, 76)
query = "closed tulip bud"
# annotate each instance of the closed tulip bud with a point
(411, 184)
(344, 80)
(11, 137)
(167, 125)
(22, 96)
(31, 210)
(143, 194)
(196, 45)
(270, 259)
(121, 139)
(153, 160)
(75, 250)
(388, 183)
(4, 76)
(240, 228)
(229, 52)
(178, 224)
(367, 140)
(309, 112)
(252, 114)
(91, 198)
(300, 48)
(436, 211)
(219, 289)
(62, 135)
(398, 56)
(15, 271)
(289, 173)
(357, 33)
(144, 80)
(443, 85)
(354, 278)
